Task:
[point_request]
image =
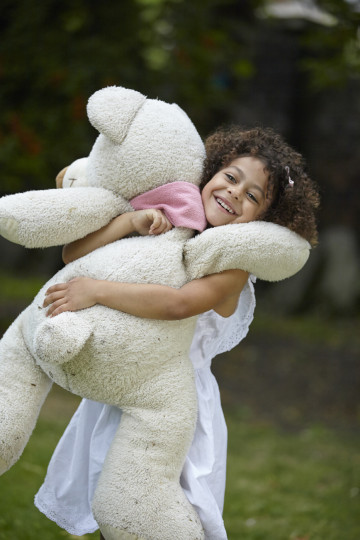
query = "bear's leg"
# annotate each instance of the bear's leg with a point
(59, 339)
(138, 495)
(23, 389)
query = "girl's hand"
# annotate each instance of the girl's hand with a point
(150, 222)
(78, 293)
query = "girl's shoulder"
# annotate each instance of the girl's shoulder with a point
(237, 281)
(225, 333)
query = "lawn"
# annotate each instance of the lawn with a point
(291, 397)
(282, 485)
(292, 486)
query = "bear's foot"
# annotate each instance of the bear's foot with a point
(23, 389)
(59, 339)
(111, 533)
(160, 512)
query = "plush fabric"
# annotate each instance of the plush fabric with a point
(67, 214)
(137, 364)
(267, 253)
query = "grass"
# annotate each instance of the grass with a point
(297, 485)
(314, 328)
(292, 486)
(281, 485)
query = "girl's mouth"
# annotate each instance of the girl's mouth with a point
(224, 205)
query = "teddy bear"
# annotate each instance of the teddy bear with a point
(139, 365)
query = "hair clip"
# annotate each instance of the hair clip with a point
(287, 169)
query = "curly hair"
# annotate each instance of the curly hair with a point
(292, 205)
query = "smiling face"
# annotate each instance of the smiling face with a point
(237, 193)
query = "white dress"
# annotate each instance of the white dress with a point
(66, 494)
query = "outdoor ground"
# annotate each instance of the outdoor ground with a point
(291, 399)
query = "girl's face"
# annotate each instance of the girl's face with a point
(237, 193)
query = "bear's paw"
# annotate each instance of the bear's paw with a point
(59, 339)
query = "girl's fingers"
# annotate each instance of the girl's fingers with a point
(165, 226)
(156, 221)
(52, 297)
(162, 226)
(156, 231)
(57, 311)
(56, 291)
(55, 288)
(55, 305)
(157, 224)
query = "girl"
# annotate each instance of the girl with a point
(248, 175)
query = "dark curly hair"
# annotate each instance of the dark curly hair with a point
(292, 205)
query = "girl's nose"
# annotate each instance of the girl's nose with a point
(234, 192)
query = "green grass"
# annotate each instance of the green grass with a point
(281, 486)
(292, 486)
(300, 485)
(313, 328)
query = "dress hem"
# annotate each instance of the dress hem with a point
(59, 520)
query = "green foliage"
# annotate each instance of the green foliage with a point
(203, 55)
(53, 56)
(332, 56)
(207, 56)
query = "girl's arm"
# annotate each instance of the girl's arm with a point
(217, 291)
(144, 222)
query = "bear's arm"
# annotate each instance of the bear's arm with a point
(268, 251)
(39, 219)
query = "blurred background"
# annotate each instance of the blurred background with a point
(293, 65)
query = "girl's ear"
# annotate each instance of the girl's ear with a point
(112, 110)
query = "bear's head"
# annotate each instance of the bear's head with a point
(143, 144)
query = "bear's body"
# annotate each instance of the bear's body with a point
(158, 259)
(144, 369)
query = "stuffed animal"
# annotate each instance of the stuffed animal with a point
(140, 365)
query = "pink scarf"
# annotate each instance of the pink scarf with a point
(180, 201)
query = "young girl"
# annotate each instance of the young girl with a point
(248, 175)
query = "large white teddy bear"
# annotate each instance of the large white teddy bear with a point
(140, 365)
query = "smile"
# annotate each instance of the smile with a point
(224, 205)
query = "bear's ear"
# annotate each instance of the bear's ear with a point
(112, 110)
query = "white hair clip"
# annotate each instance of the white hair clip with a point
(291, 182)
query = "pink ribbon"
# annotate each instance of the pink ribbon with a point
(180, 201)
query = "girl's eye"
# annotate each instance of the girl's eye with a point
(231, 178)
(252, 197)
